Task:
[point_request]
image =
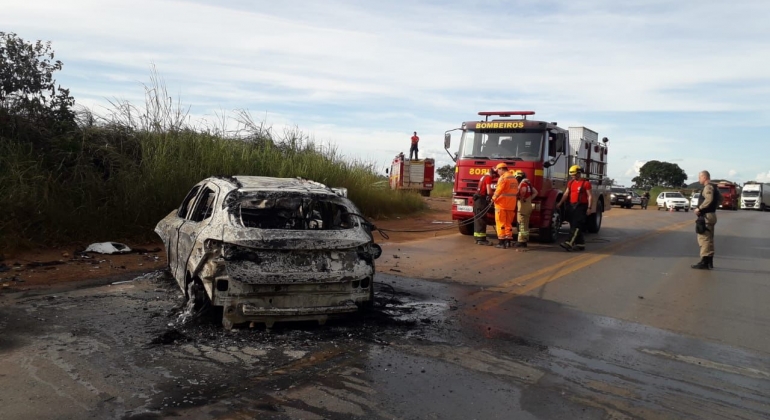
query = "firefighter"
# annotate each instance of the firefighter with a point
(505, 204)
(578, 192)
(414, 149)
(526, 193)
(481, 201)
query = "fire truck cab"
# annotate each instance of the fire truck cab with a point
(543, 150)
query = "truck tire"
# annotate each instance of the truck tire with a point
(551, 233)
(425, 193)
(594, 222)
(465, 227)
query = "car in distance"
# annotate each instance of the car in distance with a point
(694, 200)
(619, 196)
(672, 200)
(270, 249)
(636, 199)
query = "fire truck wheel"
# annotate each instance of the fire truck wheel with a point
(466, 228)
(425, 193)
(551, 233)
(595, 219)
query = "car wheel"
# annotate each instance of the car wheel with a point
(686, 210)
(465, 227)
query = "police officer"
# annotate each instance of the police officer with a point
(524, 198)
(707, 207)
(481, 202)
(505, 204)
(579, 194)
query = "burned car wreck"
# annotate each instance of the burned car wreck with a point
(270, 249)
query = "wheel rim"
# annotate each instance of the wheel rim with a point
(555, 225)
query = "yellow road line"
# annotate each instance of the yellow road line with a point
(508, 290)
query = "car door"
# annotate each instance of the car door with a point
(169, 228)
(661, 200)
(199, 218)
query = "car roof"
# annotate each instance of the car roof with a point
(246, 183)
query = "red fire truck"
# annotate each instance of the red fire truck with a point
(412, 174)
(543, 150)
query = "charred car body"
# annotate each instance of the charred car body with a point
(270, 249)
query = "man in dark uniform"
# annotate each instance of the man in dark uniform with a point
(707, 207)
(579, 194)
(481, 204)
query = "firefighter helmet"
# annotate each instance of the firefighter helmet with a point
(501, 166)
(520, 174)
(575, 169)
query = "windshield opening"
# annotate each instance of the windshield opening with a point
(724, 191)
(524, 144)
(750, 193)
(674, 195)
(293, 213)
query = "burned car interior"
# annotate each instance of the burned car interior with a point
(292, 212)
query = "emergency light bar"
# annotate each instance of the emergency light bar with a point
(505, 114)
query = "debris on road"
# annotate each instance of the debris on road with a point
(108, 248)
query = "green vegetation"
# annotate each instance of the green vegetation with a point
(69, 176)
(656, 172)
(442, 189)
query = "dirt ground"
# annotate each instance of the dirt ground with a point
(48, 267)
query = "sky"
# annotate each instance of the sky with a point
(686, 82)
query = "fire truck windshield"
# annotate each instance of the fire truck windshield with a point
(518, 144)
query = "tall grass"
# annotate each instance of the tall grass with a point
(442, 189)
(117, 176)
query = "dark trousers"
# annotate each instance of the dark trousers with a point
(414, 150)
(577, 222)
(480, 224)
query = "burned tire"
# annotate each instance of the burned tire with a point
(465, 227)
(594, 222)
(551, 233)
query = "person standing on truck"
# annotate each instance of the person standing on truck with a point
(524, 198)
(707, 218)
(579, 194)
(481, 202)
(414, 149)
(505, 204)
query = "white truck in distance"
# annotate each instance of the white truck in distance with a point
(755, 196)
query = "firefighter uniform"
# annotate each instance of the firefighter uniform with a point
(525, 195)
(707, 206)
(577, 210)
(505, 204)
(481, 201)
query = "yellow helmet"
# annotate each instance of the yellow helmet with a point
(575, 169)
(519, 173)
(501, 166)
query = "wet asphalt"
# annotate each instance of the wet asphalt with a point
(625, 330)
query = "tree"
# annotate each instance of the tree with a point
(28, 89)
(446, 173)
(654, 173)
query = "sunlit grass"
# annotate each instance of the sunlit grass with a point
(116, 177)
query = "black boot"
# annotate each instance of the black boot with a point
(520, 245)
(711, 262)
(702, 264)
(503, 244)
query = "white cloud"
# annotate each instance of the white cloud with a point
(732, 173)
(364, 75)
(633, 171)
(763, 177)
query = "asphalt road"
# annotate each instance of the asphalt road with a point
(624, 330)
